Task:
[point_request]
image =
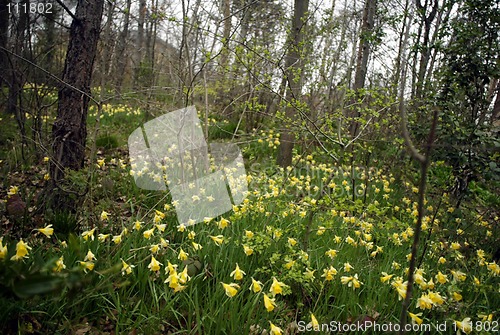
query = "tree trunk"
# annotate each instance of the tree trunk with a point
(140, 41)
(4, 36)
(69, 132)
(363, 54)
(120, 60)
(294, 72)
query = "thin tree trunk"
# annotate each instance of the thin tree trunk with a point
(363, 54)
(294, 72)
(69, 132)
(120, 57)
(140, 41)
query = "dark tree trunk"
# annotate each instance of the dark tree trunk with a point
(69, 132)
(4, 35)
(294, 72)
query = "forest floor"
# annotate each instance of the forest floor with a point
(318, 245)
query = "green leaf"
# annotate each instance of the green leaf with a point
(36, 285)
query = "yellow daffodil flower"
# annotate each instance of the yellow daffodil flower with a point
(415, 318)
(148, 233)
(465, 325)
(87, 265)
(231, 289)
(90, 256)
(269, 303)
(314, 323)
(102, 237)
(154, 265)
(275, 330)
(329, 273)
(126, 268)
(183, 255)
(256, 286)
(237, 274)
(88, 234)
(331, 253)
(59, 265)
(3, 249)
(385, 277)
(104, 216)
(47, 231)
(21, 251)
(424, 302)
(217, 239)
(117, 239)
(276, 287)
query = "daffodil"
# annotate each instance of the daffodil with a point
(13, 190)
(154, 248)
(102, 237)
(3, 249)
(385, 277)
(415, 318)
(196, 246)
(161, 227)
(237, 274)
(138, 225)
(148, 233)
(275, 330)
(90, 256)
(276, 287)
(21, 251)
(154, 265)
(465, 325)
(269, 303)
(458, 275)
(217, 239)
(183, 276)
(47, 231)
(494, 268)
(400, 287)
(248, 251)
(183, 255)
(87, 265)
(231, 289)
(348, 267)
(117, 239)
(309, 274)
(424, 302)
(88, 234)
(441, 278)
(351, 281)
(292, 242)
(436, 298)
(457, 296)
(256, 286)
(249, 234)
(59, 265)
(223, 223)
(329, 273)
(331, 253)
(126, 268)
(314, 323)
(104, 216)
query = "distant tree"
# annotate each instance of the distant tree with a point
(69, 132)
